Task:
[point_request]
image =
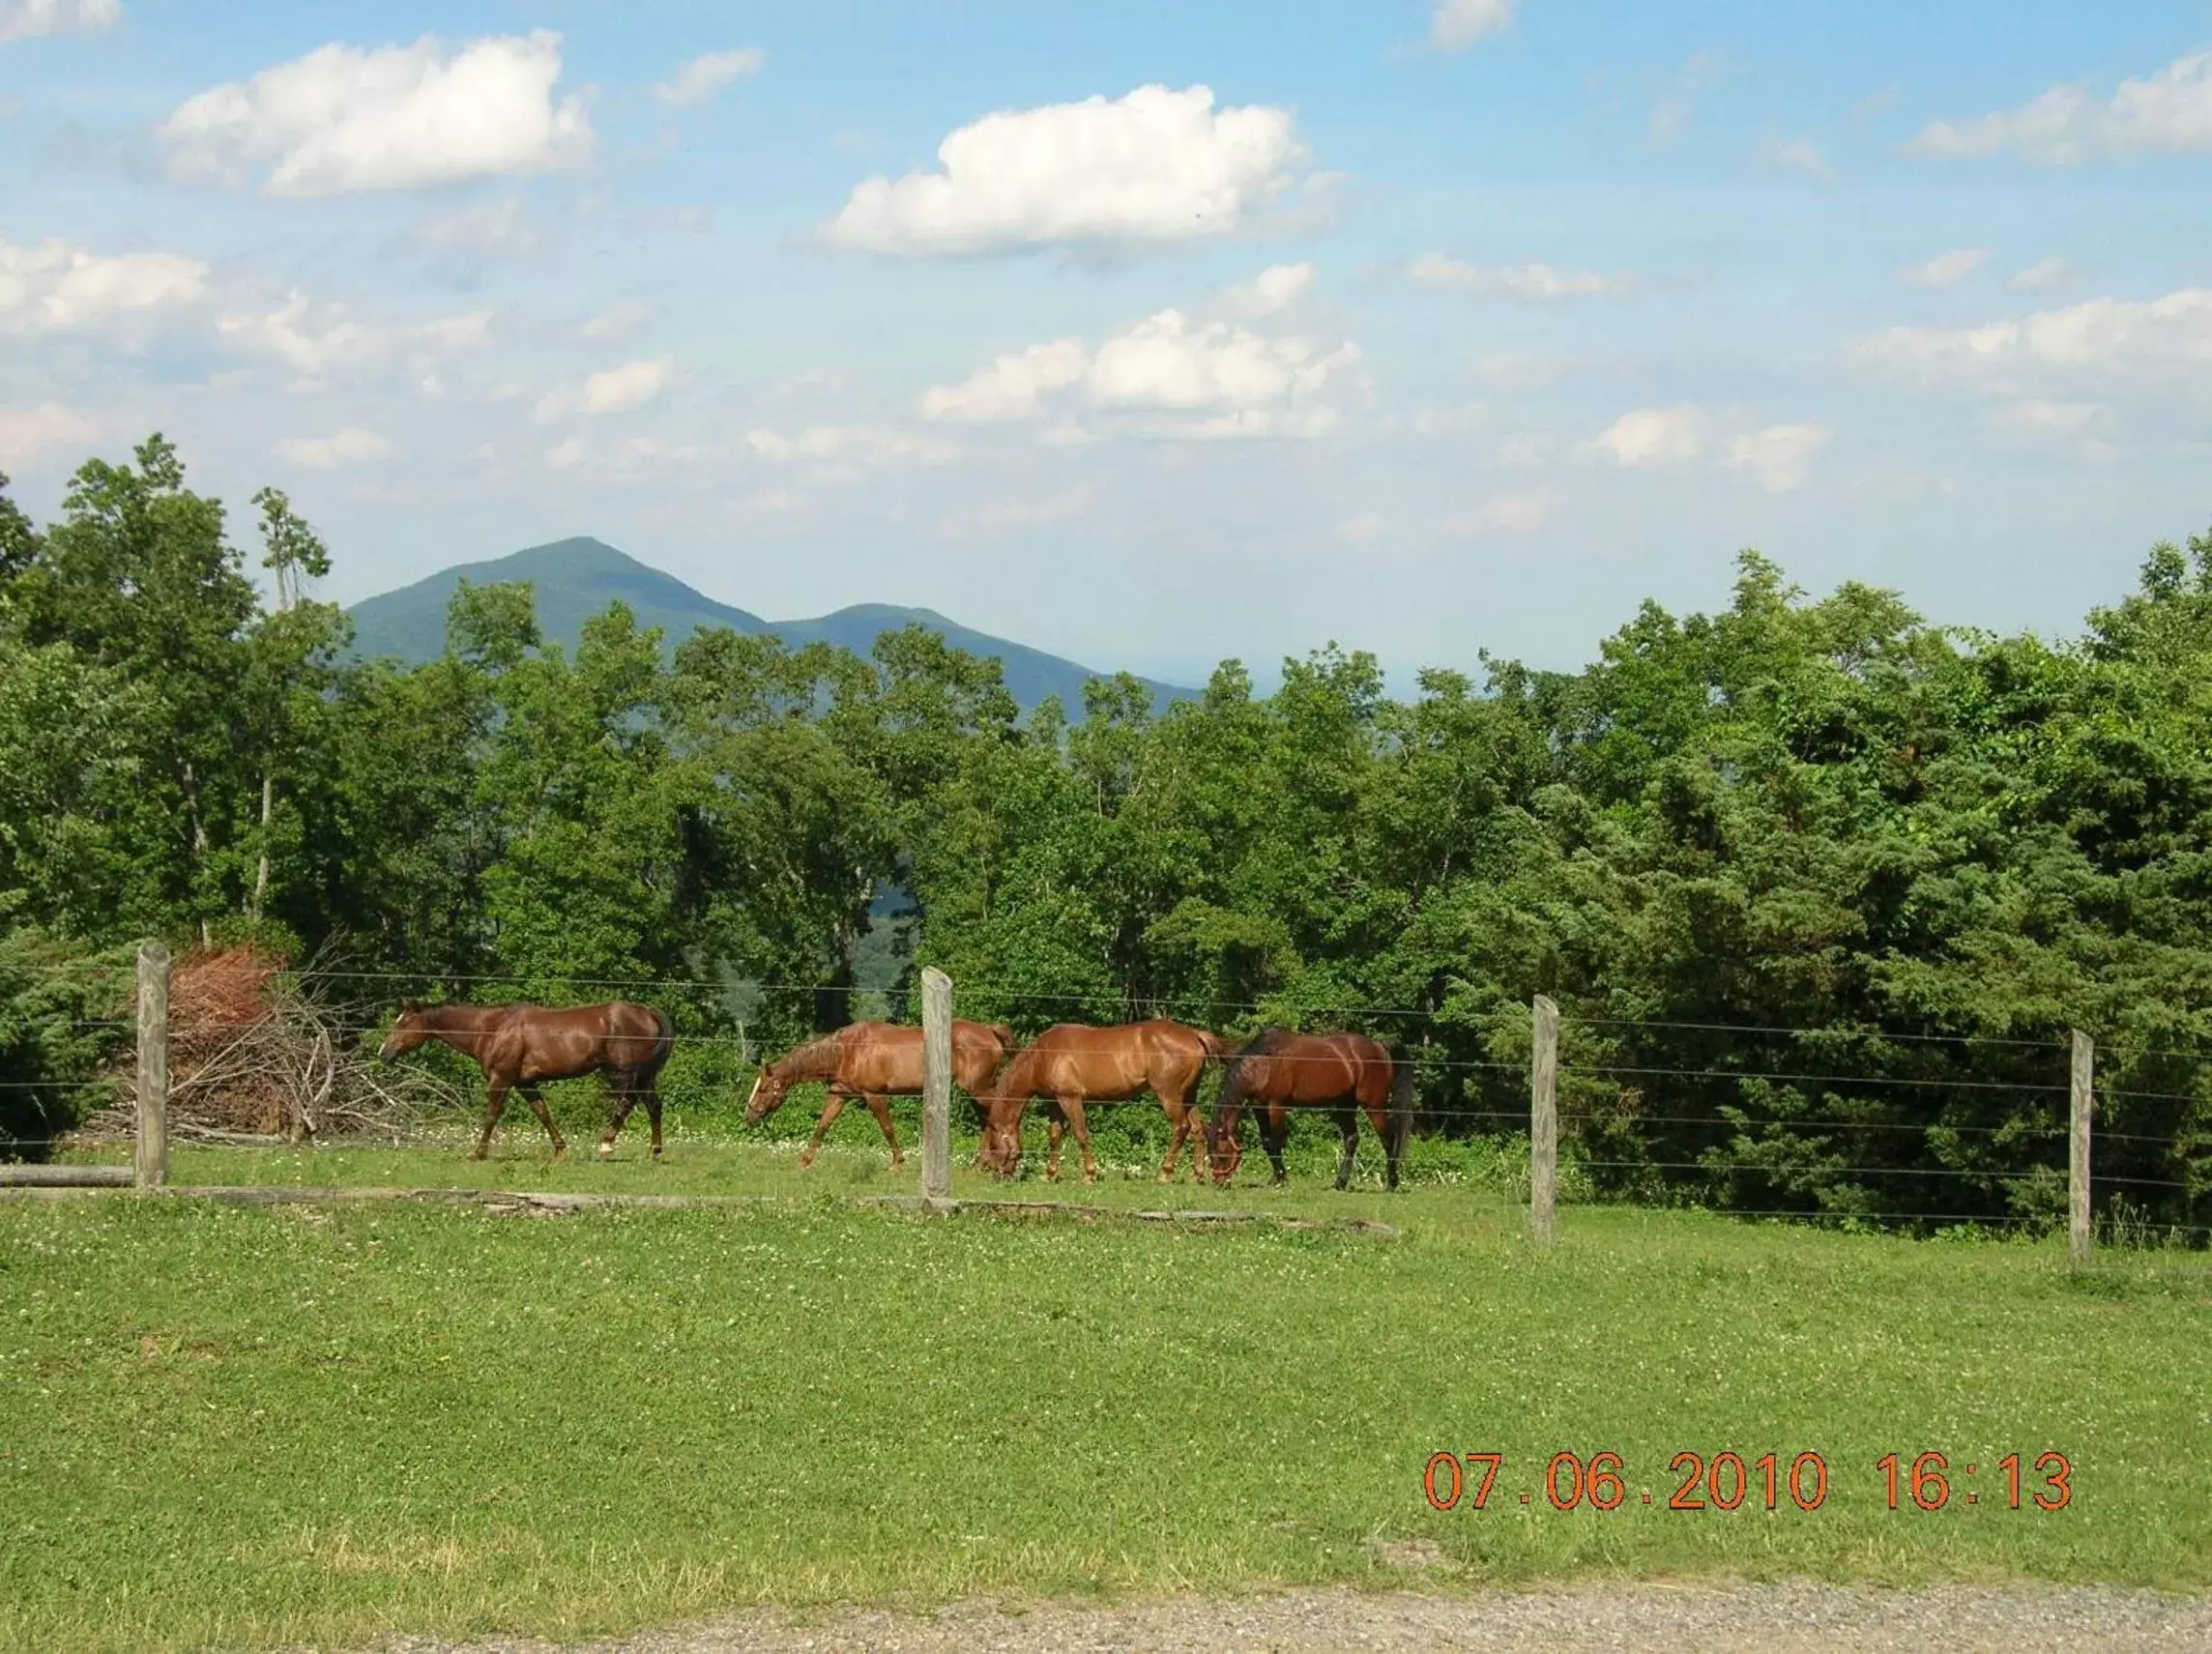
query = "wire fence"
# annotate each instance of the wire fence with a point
(1731, 1127)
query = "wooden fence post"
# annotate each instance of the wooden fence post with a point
(151, 1160)
(1544, 1123)
(2084, 1097)
(936, 1085)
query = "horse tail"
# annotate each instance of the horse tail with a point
(664, 1041)
(1215, 1048)
(1402, 1101)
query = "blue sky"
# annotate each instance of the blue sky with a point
(1163, 332)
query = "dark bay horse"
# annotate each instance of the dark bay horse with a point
(522, 1047)
(1277, 1070)
(1074, 1064)
(875, 1062)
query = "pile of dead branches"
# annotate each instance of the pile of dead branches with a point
(259, 1052)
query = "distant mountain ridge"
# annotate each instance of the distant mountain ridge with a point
(575, 579)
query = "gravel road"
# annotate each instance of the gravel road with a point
(1773, 1619)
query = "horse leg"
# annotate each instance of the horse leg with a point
(1054, 1124)
(832, 1108)
(1379, 1120)
(881, 1107)
(1073, 1108)
(495, 1105)
(1347, 1122)
(652, 1114)
(1274, 1133)
(545, 1119)
(625, 1098)
(1179, 1113)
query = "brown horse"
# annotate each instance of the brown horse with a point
(1277, 1070)
(1073, 1064)
(875, 1062)
(522, 1047)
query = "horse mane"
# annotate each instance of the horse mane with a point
(1018, 1066)
(818, 1056)
(433, 1014)
(1266, 1043)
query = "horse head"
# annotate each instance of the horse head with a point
(765, 1098)
(1002, 1148)
(411, 1030)
(1223, 1149)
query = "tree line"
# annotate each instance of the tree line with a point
(1797, 838)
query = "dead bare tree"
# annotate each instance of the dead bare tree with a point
(263, 1054)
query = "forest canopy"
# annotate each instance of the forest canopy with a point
(1799, 835)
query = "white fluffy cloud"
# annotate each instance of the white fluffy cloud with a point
(344, 119)
(1539, 281)
(1780, 456)
(2042, 277)
(58, 288)
(1213, 379)
(619, 389)
(1170, 374)
(28, 433)
(2103, 337)
(35, 20)
(618, 320)
(2171, 110)
(1014, 385)
(1278, 288)
(1457, 24)
(1946, 269)
(2045, 417)
(1801, 155)
(1777, 456)
(706, 75)
(340, 451)
(630, 459)
(1655, 436)
(844, 453)
(615, 391)
(1156, 165)
(319, 341)
(1504, 515)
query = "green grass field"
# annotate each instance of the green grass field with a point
(251, 1427)
(257, 1427)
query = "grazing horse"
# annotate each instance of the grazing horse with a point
(1345, 1073)
(522, 1047)
(1074, 1064)
(875, 1062)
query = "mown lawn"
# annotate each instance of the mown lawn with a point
(236, 1427)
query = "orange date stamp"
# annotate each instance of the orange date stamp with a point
(1727, 1481)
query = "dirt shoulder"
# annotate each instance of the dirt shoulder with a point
(1709, 1619)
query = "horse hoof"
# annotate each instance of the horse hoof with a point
(606, 1152)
